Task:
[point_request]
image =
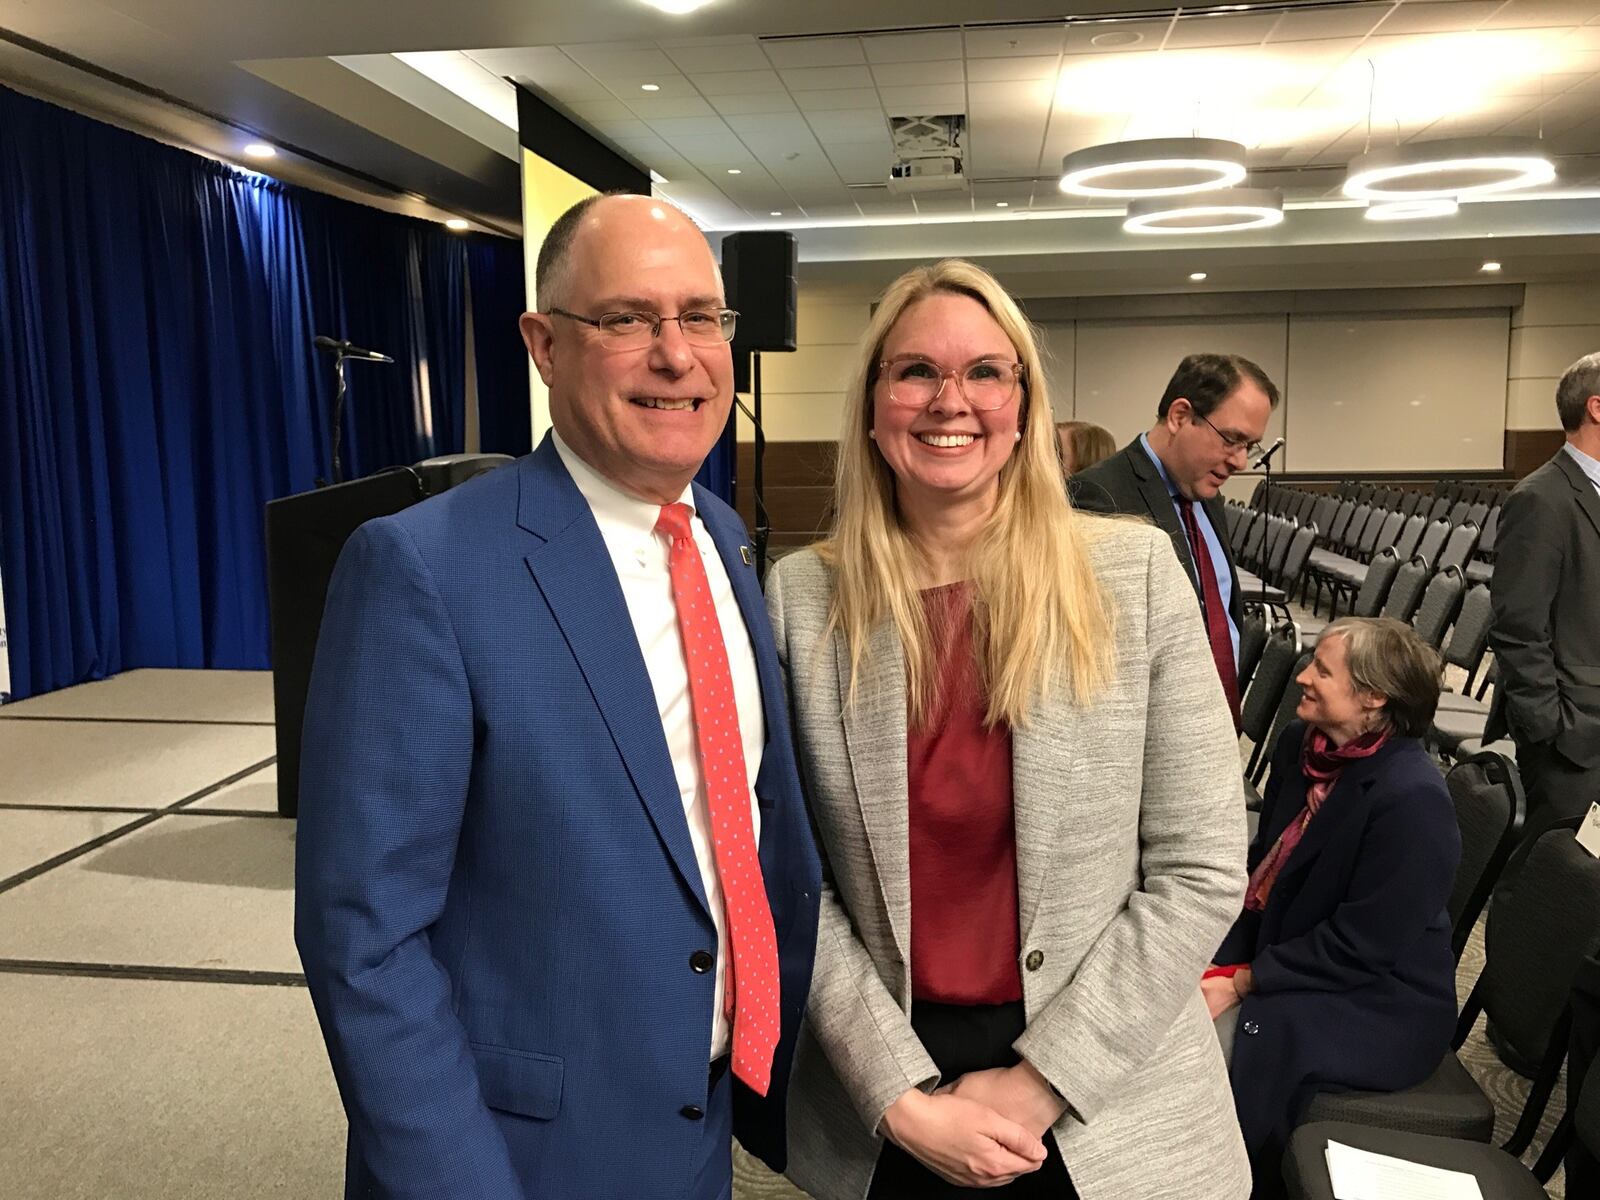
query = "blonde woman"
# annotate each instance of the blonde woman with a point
(1026, 788)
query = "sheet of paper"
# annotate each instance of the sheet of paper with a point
(1362, 1175)
(1589, 831)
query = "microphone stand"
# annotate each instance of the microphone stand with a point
(342, 350)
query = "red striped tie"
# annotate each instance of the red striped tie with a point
(1217, 631)
(756, 1020)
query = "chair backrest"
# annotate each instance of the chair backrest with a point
(1252, 641)
(1254, 537)
(1294, 559)
(1409, 502)
(1357, 526)
(1543, 922)
(1491, 532)
(1322, 511)
(1432, 541)
(1478, 513)
(1470, 637)
(1341, 521)
(1458, 546)
(1586, 1118)
(1458, 512)
(1283, 714)
(1439, 507)
(1440, 599)
(1386, 533)
(1490, 810)
(1266, 687)
(1375, 587)
(1278, 549)
(1405, 593)
(1452, 490)
(1410, 536)
(1307, 506)
(1259, 493)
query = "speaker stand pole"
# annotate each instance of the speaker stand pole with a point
(338, 414)
(763, 526)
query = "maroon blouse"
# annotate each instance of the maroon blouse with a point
(964, 936)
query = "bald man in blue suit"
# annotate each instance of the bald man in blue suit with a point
(509, 911)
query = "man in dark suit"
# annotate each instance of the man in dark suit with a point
(1546, 604)
(1210, 421)
(556, 888)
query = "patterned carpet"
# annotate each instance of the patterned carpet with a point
(1508, 1090)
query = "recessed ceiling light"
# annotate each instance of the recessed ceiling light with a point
(777, 212)
(1413, 210)
(1491, 267)
(649, 87)
(455, 223)
(1197, 276)
(1153, 167)
(1125, 37)
(260, 150)
(735, 171)
(677, 8)
(1002, 204)
(1449, 167)
(1229, 211)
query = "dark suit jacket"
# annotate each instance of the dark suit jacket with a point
(497, 895)
(1354, 978)
(1546, 602)
(1128, 482)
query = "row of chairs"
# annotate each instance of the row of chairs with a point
(1544, 921)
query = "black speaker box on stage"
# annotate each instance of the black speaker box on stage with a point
(758, 269)
(305, 534)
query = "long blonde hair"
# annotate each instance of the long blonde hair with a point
(1040, 616)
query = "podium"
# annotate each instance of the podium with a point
(304, 535)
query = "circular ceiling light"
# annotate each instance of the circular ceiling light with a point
(1153, 167)
(1121, 37)
(457, 224)
(260, 150)
(1229, 211)
(1413, 210)
(1449, 167)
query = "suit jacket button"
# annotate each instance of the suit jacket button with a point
(701, 961)
(1035, 960)
(1251, 1027)
(693, 1111)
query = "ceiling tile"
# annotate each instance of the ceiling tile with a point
(745, 56)
(790, 53)
(1014, 41)
(860, 164)
(738, 83)
(722, 39)
(1227, 29)
(644, 146)
(606, 63)
(913, 47)
(811, 79)
(828, 101)
(652, 108)
(1539, 14)
(595, 111)
(669, 86)
(567, 84)
(850, 125)
(832, 212)
(1112, 37)
(943, 203)
(924, 101)
(772, 102)
(919, 74)
(618, 130)
(1003, 70)
(710, 150)
(770, 126)
(1440, 18)
(672, 128)
(1309, 24)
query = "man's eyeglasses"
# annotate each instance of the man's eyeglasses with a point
(1233, 441)
(915, 382)
(636, 330)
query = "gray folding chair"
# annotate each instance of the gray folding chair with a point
(1252, 641)
(1266, 688)
(1405, 593)
(1432, 541)
(1490, 810)
(1440, 600)
(1458, 546)
(1410, 537)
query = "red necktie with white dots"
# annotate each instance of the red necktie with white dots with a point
(754, 965)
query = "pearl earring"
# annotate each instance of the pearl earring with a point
(873, 434)
(1019, 435)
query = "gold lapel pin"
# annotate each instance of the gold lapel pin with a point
(744, 553)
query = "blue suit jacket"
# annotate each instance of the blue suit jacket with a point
(496, 894)
(1354, 978)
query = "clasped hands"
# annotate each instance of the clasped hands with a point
(983, 1130)
(1222, 992)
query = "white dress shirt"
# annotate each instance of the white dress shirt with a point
(639, 554)
(1588, 464)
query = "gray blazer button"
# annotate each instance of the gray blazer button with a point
(1250, 1027)
(1035, 960)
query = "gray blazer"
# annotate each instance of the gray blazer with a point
(1130, 868)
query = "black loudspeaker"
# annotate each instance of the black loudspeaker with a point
(305, 534)
(758, 269)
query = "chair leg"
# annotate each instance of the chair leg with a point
(1555, 1149)
(1543, 1085)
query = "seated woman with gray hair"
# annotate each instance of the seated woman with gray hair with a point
(1338, 973)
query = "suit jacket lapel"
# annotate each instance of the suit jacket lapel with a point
(1588, 499)
(1348, 801)
(1159, 501)
(574, 573)
(875, 735)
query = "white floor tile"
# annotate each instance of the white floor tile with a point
(28, 838)
(158, 694)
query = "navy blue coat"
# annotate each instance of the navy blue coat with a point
(497, 896)
(1354, 978)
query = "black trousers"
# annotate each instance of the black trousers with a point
(959, 1039)
(1558, 788)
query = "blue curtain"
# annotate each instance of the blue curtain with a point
(158, 385)
(494, 267)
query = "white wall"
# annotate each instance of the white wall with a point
(1557, 324)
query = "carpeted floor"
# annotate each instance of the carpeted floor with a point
(158, 1041)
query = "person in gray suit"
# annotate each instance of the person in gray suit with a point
(1026, 792)
(1545, 598)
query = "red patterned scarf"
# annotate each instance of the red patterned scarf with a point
(1321, 762)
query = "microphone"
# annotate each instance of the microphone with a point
(346, 350)
(1267, 454)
